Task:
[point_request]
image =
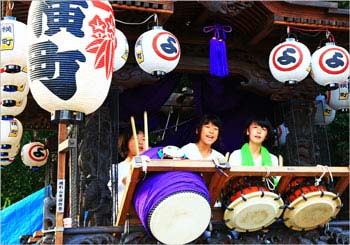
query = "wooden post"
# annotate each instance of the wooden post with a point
(61, 170)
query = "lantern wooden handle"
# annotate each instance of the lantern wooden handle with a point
(135, 135)
(145, 121)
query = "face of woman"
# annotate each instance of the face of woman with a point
(141, 142)
(257, 134)
(209, 134)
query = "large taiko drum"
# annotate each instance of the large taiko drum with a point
(174, 207)
(309, 206)
(250, 205)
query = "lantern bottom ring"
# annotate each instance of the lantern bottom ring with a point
(158, 73)
(290, 82)
(67, 116)
(332, 86)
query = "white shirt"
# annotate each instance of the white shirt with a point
(192, 152)
(124, 168)
(236, 159)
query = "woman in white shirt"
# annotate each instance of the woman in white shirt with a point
(207, 131)
(127, 150)
(253, 153)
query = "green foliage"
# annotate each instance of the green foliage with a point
(338, 138)
(18, 180)
(343, 4)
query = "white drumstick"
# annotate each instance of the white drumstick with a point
(280, 161)
(145, 121)
(227, 156)
(135, 135)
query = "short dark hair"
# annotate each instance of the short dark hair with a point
(206, 119)
(261, 121)
(123, 141)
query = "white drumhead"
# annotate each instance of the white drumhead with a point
(180, 218)
(255, 213)
(313, 212)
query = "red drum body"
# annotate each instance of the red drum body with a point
(250, 205)
(309, 206)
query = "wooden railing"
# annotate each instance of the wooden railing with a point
(216, 177)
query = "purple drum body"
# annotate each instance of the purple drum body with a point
(159, 187)
(153, 152)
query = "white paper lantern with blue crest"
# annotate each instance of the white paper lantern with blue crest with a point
(34, 154)
(71, 53)
(12, 107)
(330, 65)
(13, 43)
(324, 114)
(121, 51)
(157, 51)
(289, 62)
(11, 131)
(339, 98)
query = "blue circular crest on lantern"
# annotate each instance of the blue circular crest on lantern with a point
(71, 53)
(157, 51)
(330, 65)
(289, 61)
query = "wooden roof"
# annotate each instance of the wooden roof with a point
(257, 26)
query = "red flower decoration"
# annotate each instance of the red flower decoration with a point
(104, 44)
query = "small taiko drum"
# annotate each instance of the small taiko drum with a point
(174, 207)
(250, 205)
(309, 206)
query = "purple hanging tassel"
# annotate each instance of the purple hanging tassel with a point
(218, 57)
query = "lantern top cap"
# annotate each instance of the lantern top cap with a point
(291, 39)
(330, 43)
(9, 18)
(157, 28)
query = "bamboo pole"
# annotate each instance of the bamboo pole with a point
(145, 121)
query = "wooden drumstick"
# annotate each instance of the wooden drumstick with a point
(145, 121)
(280, 161)
(135, 135)
(227, 156)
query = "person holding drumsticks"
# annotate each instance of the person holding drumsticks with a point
(207, 132)
(127, 150)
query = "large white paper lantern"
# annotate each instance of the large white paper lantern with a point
(4, 161)
(289, 61)
(157, 51)
(11, 131)
(12, 107)
(71, 53)
(324, 113)
(13, 42)
(339, 98)
(34, 154)
(121, 51)
(330, 65)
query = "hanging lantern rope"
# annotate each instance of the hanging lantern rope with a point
(9, 7)
(155, 16)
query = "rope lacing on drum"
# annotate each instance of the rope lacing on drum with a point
(268, 180)
(324, 168)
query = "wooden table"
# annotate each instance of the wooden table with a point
(216, 178)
